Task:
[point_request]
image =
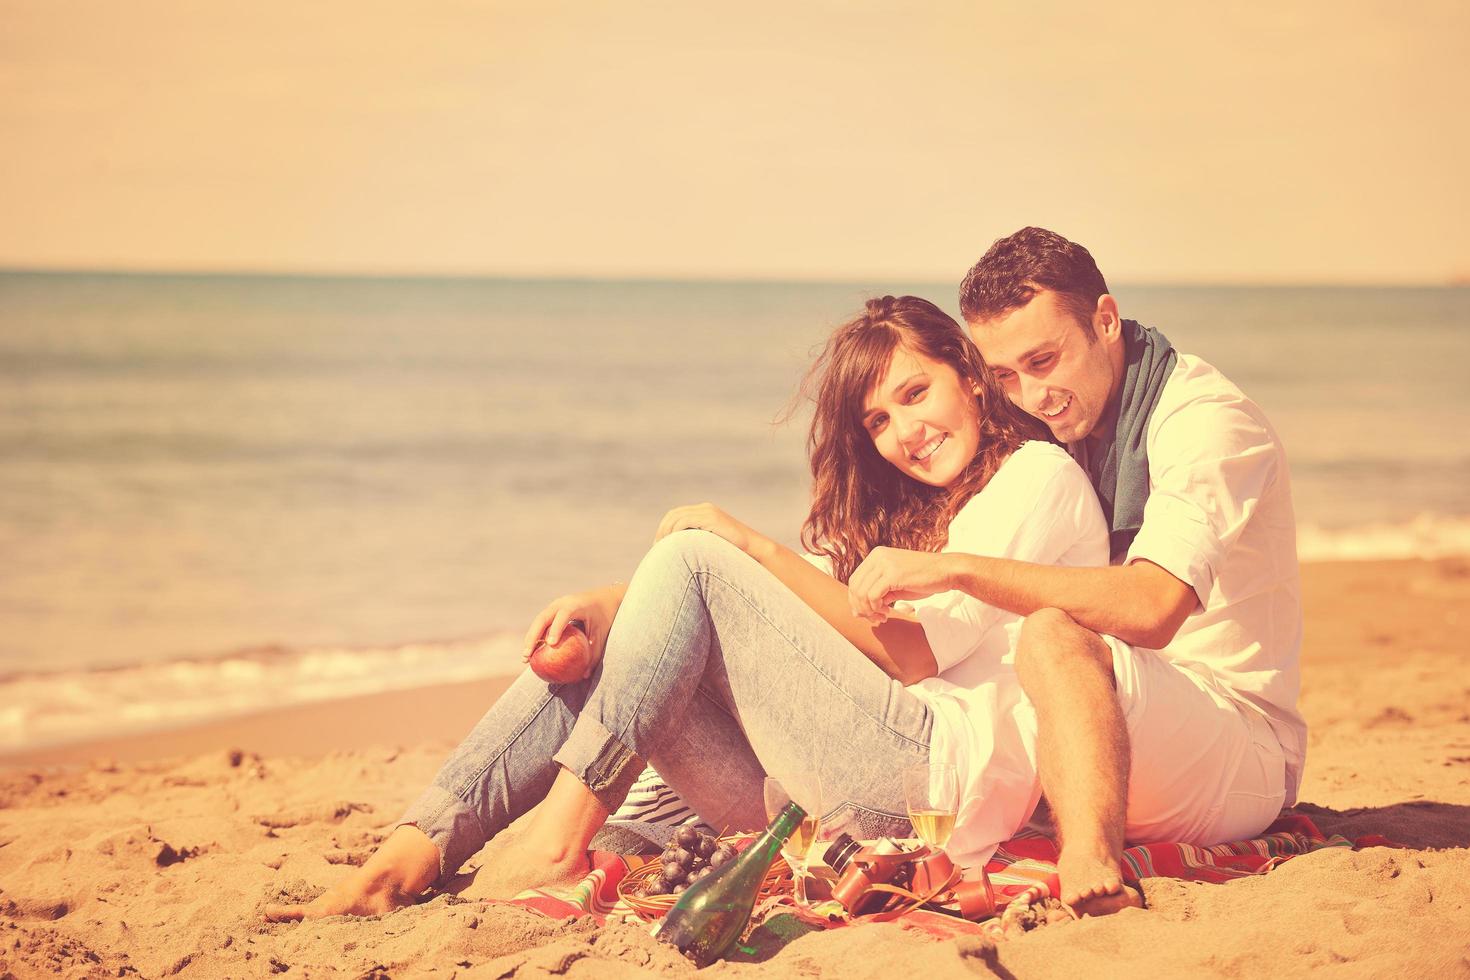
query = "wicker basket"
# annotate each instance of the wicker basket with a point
(650, 908)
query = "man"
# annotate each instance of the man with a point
(1165, 685)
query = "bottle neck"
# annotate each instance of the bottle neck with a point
(786, 822)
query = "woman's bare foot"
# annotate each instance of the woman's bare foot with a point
(1094, 886)
(522, 865)
(550, 849)
(396, 874)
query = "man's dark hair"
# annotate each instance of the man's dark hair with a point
(1016, 267)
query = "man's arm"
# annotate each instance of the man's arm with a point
(1210, 460)
(1139, 603)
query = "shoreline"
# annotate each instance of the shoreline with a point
(443, 713)
(409, 716)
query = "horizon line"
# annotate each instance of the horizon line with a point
(690, 279)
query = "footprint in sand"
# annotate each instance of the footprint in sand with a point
(45, 909)
(329, 813)
(1392, 715)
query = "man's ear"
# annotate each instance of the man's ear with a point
(1106, 322)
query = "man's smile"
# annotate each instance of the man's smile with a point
(1056, 412)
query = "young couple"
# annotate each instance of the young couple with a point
(1114, 622)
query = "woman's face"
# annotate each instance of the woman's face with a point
(923, 418)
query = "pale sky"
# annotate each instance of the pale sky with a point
(1323, 141)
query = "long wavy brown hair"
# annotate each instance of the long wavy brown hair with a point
(859, 500)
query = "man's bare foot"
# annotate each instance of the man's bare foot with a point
(396, 874)
(1094, 886)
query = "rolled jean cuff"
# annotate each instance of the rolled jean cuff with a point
(450, 823)
(600, 760)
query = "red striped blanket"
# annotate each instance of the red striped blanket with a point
(1023, 869)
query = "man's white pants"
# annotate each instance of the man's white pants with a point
(1205, 768)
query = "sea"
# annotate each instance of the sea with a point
(222, 494)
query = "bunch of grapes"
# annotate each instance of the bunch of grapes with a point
(689, 857)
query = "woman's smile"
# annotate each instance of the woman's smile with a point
(929, 448)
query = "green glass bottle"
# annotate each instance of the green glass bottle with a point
(711, 915)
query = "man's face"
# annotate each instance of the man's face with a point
(1048, 365)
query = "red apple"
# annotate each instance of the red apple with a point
(568, 661)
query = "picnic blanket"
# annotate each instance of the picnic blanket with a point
(1023, 870)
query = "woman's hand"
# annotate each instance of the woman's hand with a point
(890, 575)
(708, 517)
(593, 610)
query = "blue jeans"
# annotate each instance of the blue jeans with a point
(717, 675)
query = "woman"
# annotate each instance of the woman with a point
(728, 657)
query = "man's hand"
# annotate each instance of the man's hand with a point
(708, 517)
(890, 575)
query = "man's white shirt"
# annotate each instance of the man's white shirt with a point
(1219, 518)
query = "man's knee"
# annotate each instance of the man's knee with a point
(1052, 646)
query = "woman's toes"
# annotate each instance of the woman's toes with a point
(285, 913)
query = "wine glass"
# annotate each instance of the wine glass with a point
(807, 792)
(932, 791)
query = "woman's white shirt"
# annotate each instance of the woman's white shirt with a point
(1038, 507)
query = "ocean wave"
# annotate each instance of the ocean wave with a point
(38, 710)
(1425, 536)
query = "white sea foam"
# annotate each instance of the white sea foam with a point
(1426, 536)
(39, 710)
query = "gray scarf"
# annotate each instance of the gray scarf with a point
(1117, 463)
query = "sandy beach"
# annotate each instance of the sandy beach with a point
(152, 856)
